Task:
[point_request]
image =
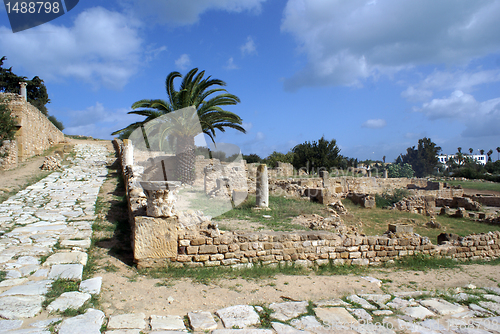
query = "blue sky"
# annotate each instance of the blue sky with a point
(374, 75)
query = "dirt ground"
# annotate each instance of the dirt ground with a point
(124, 290)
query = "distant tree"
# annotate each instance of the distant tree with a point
(400, 170)
(252, 158)
(424, 158)
(275, 157)
(489, 153)
(471, 150)
(322, 154)
(498, 153)
(57, 123)
(459, 150)
(383, 159)
(481, 151)
(35, 90)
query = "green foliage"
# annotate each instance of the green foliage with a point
(35, 89)
(59, 287)
(316, 156)
(388, 199)
(424, 262)
(252, 158)
(493, 167)
(400, 170)
(424, 158)
(275, 157)
(56, 122)
(7, 123)
(194, 91)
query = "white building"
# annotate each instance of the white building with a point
(479, 158)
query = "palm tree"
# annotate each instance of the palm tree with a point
(498, 153)
(489, 153)
(194, 92)
(481, 151)
(471, 150)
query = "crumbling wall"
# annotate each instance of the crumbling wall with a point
(8, 154)
(35, 134)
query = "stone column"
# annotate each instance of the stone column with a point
(385, 174)
(369, 172)
(161, 198)
(23, 90)
(128, 152)
(325, 176)
(262, 188)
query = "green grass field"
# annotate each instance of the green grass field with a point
(478, 185)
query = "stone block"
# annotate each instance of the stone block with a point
(155, 237)
(401, 228)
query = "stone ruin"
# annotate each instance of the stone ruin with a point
(166, 235)
(51, 163)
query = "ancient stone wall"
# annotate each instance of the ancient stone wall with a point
(212, 248)
(8, 154)
(35, 134)
(164, 241)
(486, 200)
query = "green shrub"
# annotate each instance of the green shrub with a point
(7, 123)
(400, 170)
(388, 199)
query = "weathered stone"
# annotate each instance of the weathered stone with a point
(169, 322)
(310, 324)
(285, 329)
(7, 325)
(418, 312)
(124, 321)
(15, 307)
(441, 307)
(155, 238)
(201, 321)
(242, 331)
(363, 303)
(262, 187)
(332, 302)
(66, 258)
(68, 300)
(88, 323)
(495, 307)
(335, 316)
(239, 316)
(66, 271)
(288, 310)
(68, 243)
(91, 285)
(29, 289)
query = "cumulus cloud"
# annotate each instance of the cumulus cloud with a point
(97, 121)
(101, 48)
(178, 13)
(460, 79)
(230, 65)
(347, 42)
(183, 62)
(480, 118)
(249, 47)
(374, 123)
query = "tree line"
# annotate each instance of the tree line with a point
(36, 92)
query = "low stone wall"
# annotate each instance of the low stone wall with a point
(213, 248)
(35, 134)
(486, 200)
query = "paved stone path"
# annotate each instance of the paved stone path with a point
(46, 230)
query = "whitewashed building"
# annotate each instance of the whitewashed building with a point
(479, 158)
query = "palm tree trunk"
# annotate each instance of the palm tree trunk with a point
(185, 154)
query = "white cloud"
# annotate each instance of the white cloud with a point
(416, 94)
(101, 48)
(177, 13)
(249, 47)
(152, 53)
(347, 42)
(230, 65)
(98, 121)
(183, 62)
(480, 118)
(260, 136)
(247, 126)
(462, 79)
(374, 123)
